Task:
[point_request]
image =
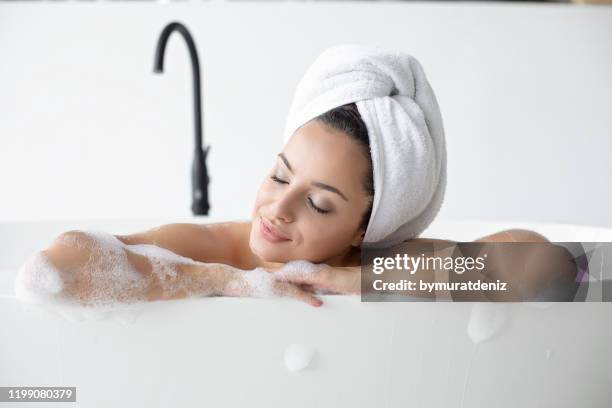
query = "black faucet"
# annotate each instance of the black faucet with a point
(199, 174)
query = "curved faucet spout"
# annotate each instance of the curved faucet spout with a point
(200, 177)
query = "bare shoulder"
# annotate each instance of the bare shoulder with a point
(234, 236)
(509, 235)
(240, 234)
(436, 242)
(430, 240)
(221, 242)
(514, 235)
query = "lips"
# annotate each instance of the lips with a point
(271, 233)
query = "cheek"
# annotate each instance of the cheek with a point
(326, 236)
(262, 196)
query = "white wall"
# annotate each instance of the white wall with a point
(87, 130)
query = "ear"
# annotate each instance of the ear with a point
(358, 238)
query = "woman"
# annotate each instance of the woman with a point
(315, 205)
(293, 218)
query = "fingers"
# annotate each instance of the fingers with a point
(290, 290)
(326, 278)
(306, 287)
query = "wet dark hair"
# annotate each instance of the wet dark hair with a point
(347, 119)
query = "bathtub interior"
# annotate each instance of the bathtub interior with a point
(234, 352)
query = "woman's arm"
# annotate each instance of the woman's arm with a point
(540, 266)
(514, 235)
(96, 268)
(215, 242)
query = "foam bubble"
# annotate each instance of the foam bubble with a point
(107, 284)
(487, 319)
(117, 275)
(298, 356)
(302, 269)
(38, 280)
(260, 282)
(298, 267)
(257, 283)
(108, 277)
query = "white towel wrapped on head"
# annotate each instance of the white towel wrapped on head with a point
(404, 126)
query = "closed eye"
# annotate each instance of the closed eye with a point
(317, 209)
(314, 207)
(278, 180)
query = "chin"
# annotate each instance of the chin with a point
(265, 251)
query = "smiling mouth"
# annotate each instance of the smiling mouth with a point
(268, 234)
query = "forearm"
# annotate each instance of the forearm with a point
(172, 278)
(437, 274)
(100, 270)
(515, 265)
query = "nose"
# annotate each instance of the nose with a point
(284, 206)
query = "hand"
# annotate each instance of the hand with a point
(322, 277)
(262, 283)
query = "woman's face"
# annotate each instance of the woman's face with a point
(313, 197)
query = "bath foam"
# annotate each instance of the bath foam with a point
(487, 319)
(113, 285)
(164, 269)
(302, 269)
(298, 356)
(299, 268)
(37, 280)
(114, 288)
(113, 278)
(39, 285)
(257, 283)
(261, 282)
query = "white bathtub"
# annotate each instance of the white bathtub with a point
(228, 352)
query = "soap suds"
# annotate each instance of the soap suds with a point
(117, 276)
(106, 284)
(256, 283)
(298, 268)
(302, 269)
(38, 280)
(260, 283)
(487, 319)
(298, 356)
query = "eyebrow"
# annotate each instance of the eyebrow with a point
(316, 183)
